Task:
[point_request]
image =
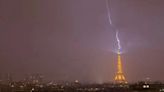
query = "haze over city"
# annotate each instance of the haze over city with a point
(72, 39)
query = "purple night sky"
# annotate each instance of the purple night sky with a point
(72, 39)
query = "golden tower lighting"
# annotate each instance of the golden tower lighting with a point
(119, 77)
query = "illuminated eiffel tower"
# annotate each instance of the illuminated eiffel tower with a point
(119, 77)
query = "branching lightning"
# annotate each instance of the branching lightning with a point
(110, 22)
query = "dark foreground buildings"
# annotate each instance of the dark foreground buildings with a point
(24, 86)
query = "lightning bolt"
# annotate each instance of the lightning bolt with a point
(108, 11)
(118, 43)
(110, 22)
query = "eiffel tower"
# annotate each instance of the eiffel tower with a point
(119, 77)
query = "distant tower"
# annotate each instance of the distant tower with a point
(119, 77)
